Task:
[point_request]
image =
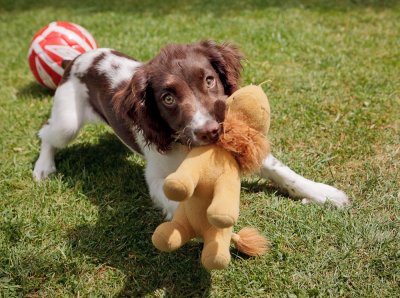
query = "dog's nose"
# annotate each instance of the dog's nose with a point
(209, 132)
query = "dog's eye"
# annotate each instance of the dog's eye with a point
(210, 81)
(168, 100)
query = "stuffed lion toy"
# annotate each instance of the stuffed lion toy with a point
(207, 184)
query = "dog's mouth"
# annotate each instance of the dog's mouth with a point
(189, 138)
(204, 128)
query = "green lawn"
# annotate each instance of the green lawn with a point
(333, 75)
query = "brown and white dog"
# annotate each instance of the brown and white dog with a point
(159, 109)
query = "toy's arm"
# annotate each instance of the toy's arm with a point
(224, 209)
(180, 185)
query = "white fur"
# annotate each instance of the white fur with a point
(71, 110)
(45, 164)
(85, 61)
(158, 167)
(300, 187)
(117, 69)
(200, 118)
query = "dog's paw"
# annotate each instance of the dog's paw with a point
(300, 187)
(169, 210)
(313, 192)
(43, 169)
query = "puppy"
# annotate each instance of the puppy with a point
(159, 109)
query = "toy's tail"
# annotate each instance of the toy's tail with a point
(250, 242)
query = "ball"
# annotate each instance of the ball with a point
(54, 43)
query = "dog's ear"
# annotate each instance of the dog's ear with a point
(129, 100)
(135, 103)
(226, 60)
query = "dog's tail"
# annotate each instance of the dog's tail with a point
(65, 63)
(250, 242)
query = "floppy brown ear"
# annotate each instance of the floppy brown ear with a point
(135, 104)
(226, 60)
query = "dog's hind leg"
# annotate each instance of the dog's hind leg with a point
(300, 187)
(68, 115)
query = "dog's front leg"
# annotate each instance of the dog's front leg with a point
(300, 187)
(155, 182)
(160, 200)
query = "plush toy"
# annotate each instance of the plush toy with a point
(207, 184)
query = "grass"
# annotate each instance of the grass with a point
(333, 83)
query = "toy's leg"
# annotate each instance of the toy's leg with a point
(172, 235)
(300, 187)
(223, 211)
(179, 186)
(216, 254)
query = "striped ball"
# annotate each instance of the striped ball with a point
(54, 43)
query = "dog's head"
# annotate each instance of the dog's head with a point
(179, 95)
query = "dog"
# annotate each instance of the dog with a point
(159, 109)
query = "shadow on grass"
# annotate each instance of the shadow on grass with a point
(251, 186)
(34, 90)
(160, 8)
(121, 238)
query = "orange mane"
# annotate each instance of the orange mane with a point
(247, 145)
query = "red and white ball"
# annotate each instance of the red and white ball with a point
(54, 43)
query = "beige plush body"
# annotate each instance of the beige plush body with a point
(207, 184)
(210, 204)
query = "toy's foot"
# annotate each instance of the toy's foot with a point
(178, 188)
(221, 220)
(213, 258)
(170, 236)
